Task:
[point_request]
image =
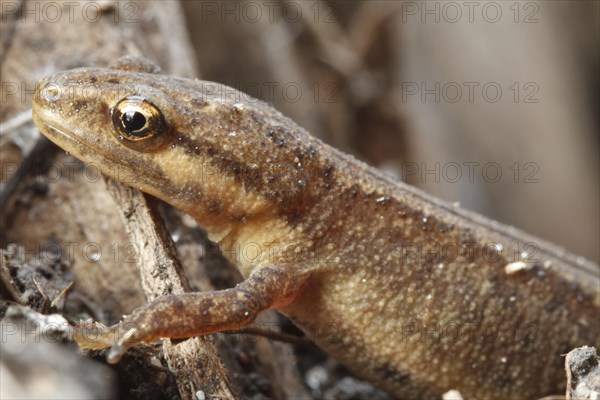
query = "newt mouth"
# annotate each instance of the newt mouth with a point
(101, 153)
(85, 150)
(65, 139)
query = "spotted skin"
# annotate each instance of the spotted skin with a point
(409, 292)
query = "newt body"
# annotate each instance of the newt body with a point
(414, 294)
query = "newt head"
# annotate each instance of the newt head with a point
(183, 141)
(208, 150)
(113, 120)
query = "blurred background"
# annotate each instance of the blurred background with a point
(494, 105)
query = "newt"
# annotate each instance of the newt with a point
(414, 294)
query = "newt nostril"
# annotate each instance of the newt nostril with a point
(48, 91)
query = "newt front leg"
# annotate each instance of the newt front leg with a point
(195, 314)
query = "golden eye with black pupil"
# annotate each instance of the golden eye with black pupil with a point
(138, 123)
(134, 122)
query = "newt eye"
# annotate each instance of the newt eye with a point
(137, 120)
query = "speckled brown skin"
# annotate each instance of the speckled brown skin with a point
(409, 292)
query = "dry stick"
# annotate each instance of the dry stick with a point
(195, 362)
(7, 285)
(109, 37)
